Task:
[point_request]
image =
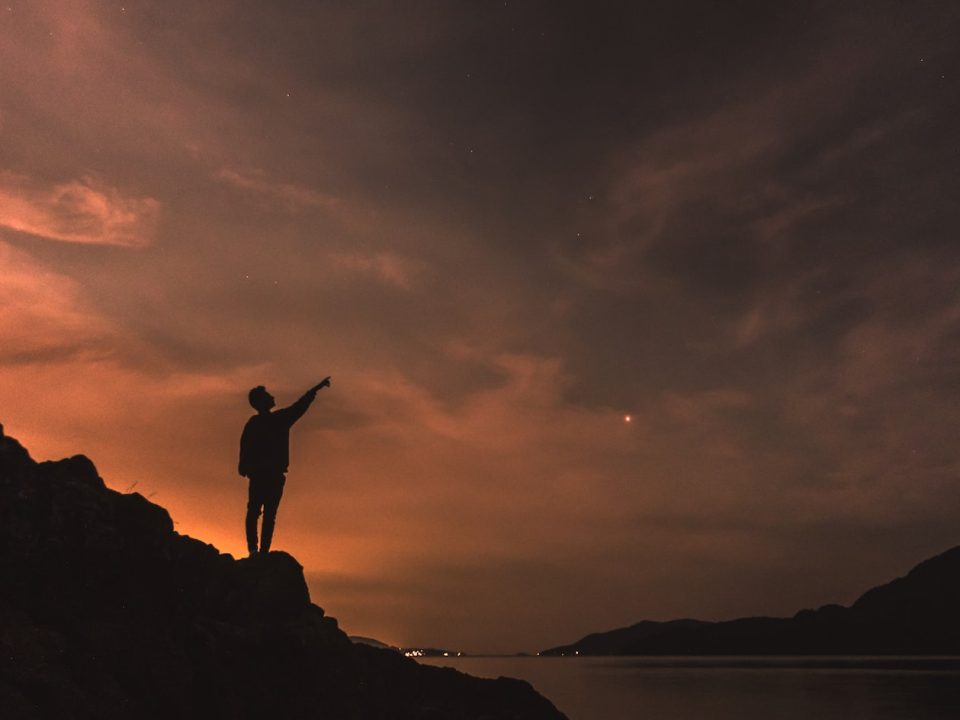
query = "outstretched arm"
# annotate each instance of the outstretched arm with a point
(322, 384)
(296, 411)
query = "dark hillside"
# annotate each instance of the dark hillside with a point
(913, 615)
(106, 612)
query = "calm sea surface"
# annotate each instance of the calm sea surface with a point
(620, 688)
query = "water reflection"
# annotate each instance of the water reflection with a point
(741, 688)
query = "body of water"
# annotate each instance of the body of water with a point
(621, 688)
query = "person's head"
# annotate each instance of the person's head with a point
(260, 399)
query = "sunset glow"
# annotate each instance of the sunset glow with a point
(496, 226)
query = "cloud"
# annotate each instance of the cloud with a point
(731, 289)
(45, 316)
(286, 196)
(77, 211)
(387, 267)
(709, 202)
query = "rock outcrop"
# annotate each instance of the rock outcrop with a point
(106, 612)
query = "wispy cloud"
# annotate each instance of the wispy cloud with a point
(85, 210)
(286, 196)
(387, 267)
(736, 181)
(45, 318)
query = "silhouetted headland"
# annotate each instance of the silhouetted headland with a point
(106, 612)
(918, 614)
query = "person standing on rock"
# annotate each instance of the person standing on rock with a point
(264, 457)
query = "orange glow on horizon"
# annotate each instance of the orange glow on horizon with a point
(490, 247)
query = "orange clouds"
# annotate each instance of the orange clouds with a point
(498, 250)
(44, 313)
(77, 211)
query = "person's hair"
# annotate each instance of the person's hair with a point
(257, 396)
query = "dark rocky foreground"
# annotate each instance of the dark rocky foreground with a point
(918, 614)
(106, 612)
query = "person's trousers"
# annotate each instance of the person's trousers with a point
(264, 496)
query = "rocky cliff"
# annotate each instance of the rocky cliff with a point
(106, 612)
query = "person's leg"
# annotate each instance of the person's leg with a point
(254, 506)
(271, 502)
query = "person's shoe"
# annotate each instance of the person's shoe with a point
(253, 553)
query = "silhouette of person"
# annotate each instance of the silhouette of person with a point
(264, 457)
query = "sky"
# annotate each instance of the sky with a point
(633, 310)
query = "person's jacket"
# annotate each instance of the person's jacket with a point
(265, 442)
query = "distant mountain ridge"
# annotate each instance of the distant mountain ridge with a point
(107, 613)
(918, 614)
